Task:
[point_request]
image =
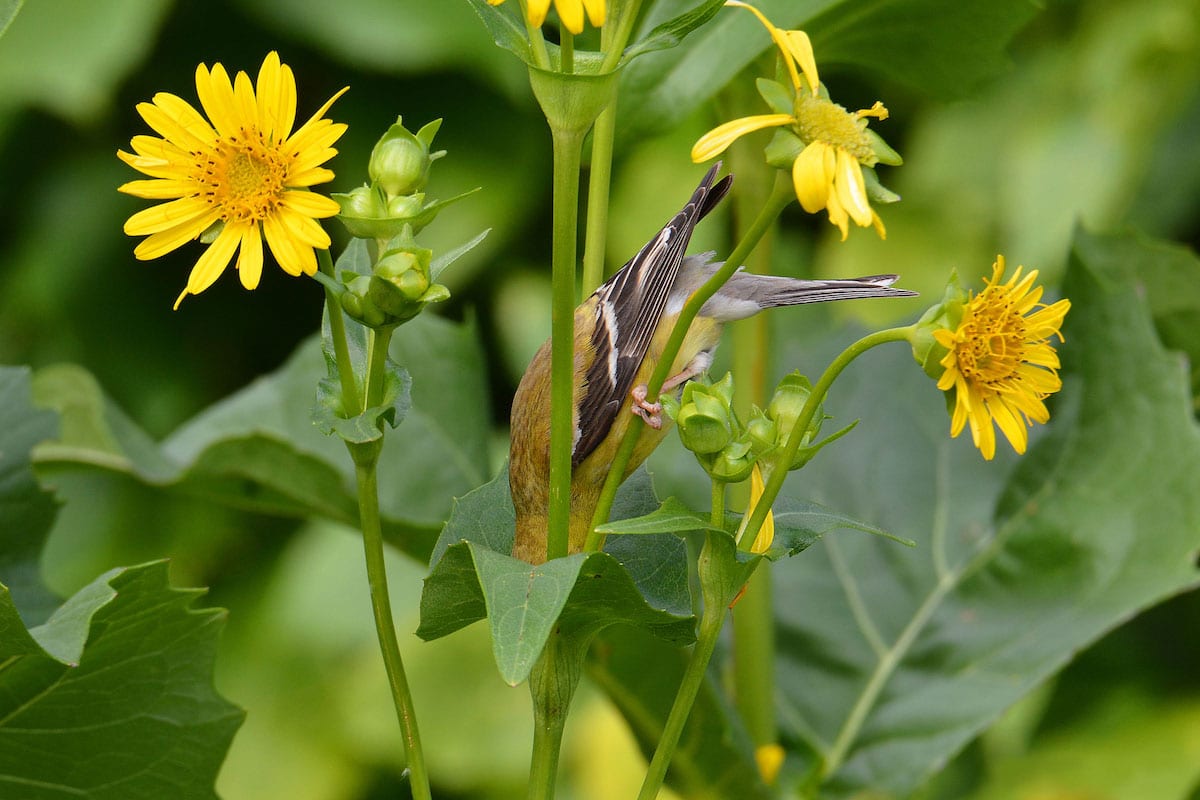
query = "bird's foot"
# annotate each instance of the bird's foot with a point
(650, 412)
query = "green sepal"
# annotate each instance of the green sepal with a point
(641, 583)
(876, 190)
(361, 224)
(945, 315)
(783, 149)
(806, 453)
(779, 97)
(450, 256)
(883, 151)
(672, 32)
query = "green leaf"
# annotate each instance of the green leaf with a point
(670, 517)
(943, 49)
(131, 714)
(504, 30)
(67, 69)
(366, 426)
(258, 449)
(26, 512)
(8, 11)
(474, 577)
(670, 33)
(450, 256)
(1096, 523)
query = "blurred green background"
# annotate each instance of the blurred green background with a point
(1094, 122)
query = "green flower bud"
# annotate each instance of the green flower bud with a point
(733, 464)
(704, 425)
(358, 305)
(406, 206)
(363, 202)
(762, 432)
(400, 160)
(788, 401)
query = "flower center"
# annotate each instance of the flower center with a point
(993, 345)
(819, 120)
(244, 177)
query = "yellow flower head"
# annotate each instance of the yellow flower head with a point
(242, 173)
(834, 143)
(569, 11)
(1001, 364)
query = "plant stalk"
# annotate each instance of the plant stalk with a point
(567, 147)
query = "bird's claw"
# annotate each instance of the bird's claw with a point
(650, 412)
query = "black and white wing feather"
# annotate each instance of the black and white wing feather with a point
(628, 309)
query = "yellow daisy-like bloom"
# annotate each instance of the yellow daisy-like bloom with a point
(569, 11)
(245, 175)
(827, 174)
(1001, 364)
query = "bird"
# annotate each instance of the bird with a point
(619, 336)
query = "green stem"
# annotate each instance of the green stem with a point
(613, 37)
(537, 43)
(566, 50)
(781, 195)
(366, 457)
(599, 183)
(567, 147)
(717, 516)
(337, 332)
(754, 659)
(693, 677)
(552, 684)
(784, 459)
(377, 366)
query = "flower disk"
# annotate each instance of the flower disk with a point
(241, 175)
(1001, 364)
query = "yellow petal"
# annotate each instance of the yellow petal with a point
(769, 758)
(570, 12)
(852, 191)
(713, 143)
(244, 103)
(164, 242)
(293, 257)
(596, 11)
(766, 534)
(812, 174)
(1013, 429)
(158, 189)
(276, 98)
(212, 262)
(166, 215)
(216, 97)
(250, 257)
(305, 131)
(303, 229)
(170, 120)
(800, 48)
(536, 11)
(310, 204)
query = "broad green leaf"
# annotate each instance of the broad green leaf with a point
(8, 10)
(474, 577)
(259, 450)
(26, 512)
(941, 47)
(66, 68)
(131, 714)
(921, 650)
(368, 425)
(503, 29)
(670, 517)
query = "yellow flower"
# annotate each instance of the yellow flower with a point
(1001, 364)
(827, 172)
(569, 11)
(244, 175)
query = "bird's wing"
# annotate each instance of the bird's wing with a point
(628, 308)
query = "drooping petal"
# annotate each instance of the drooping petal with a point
(537, 11)
(570, 12)
(852, 191)
(713, 143)
(812, 175)
(801, 49)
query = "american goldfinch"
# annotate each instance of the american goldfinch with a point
(620, 333)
